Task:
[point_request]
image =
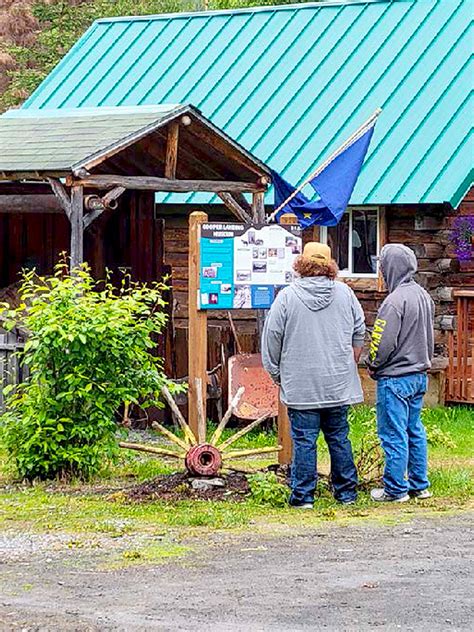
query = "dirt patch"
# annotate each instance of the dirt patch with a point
(413, 576)
(181, 486)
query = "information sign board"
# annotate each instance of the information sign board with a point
(243, 266)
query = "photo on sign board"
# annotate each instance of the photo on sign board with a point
(259, 266)
(226, 288)
(243, 275)
(272, 252)
(204, 298)
(255, 253)
(242, 297)
(263, 253)
(209, 272)
(289, 277)
(213, 298)
(292, 243)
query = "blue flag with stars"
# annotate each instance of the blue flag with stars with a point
(334, 186)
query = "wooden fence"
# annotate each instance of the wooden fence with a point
(11, 371)
(460, 377)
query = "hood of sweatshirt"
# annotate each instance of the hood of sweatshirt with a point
(398, 263)
(315, 292)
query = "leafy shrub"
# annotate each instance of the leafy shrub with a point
(88, 351)
(435, 435)
(267, 489)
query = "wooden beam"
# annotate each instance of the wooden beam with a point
(242, 200)
(30, 204)
(232, 204)
(383, 239)
(225, 148)
(284, 427)
(31, 176)
(92, 216)
(77, 226)
(147, 183)
(61, 193)
(197, 332)
(258, 207)
(112, 196)
(172, 150)
(284, 435)
(108, 201)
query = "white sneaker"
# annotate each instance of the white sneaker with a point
(381, 496)
(302, 506)
(425, 493)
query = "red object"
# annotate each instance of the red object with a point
(203, 460)
(261, 394)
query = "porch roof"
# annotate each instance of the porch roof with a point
(117, 140)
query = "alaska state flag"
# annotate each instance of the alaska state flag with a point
(334, 185)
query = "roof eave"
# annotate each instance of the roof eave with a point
(123, 143)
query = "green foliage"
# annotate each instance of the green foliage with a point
(267, 489)
(436, 420)
(368, 455)
(88, 352)
(61, 23)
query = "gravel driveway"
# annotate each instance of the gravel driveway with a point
(412, 576)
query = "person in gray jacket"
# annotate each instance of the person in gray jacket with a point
(312, 340)
(399, 358)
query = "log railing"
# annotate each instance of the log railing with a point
(460, 375)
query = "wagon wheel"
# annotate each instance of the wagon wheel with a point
(203, 458)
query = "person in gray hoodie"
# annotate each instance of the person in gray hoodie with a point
(400, 356)
(312, 340)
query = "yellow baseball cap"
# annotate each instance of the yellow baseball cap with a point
(320, 253)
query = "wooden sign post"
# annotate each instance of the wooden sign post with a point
(197, 333)
(284, 433)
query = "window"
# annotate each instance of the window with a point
(355, 242)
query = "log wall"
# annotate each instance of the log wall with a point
(423, 228)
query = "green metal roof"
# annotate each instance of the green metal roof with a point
(60, 140)
(291, 83)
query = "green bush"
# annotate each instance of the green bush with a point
(435, 434)
(267, 489)
(88, 352)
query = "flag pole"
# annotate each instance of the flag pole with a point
(335, 153)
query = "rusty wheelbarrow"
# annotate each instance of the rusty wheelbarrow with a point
(261, 394)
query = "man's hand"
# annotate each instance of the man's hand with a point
(357, 353)
(371, 372)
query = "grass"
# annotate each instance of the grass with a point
(100, 509)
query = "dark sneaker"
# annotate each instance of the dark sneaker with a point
(425, 493)
(381, 496)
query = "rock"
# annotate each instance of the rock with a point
(204, 484)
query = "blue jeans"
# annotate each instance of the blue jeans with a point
(305, 427)
(402, 434)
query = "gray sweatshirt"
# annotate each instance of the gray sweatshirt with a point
(307, 344)
(402, 338)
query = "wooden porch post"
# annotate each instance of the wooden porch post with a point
(77, 226)
(197, 333)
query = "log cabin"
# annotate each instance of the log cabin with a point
(290, 84)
